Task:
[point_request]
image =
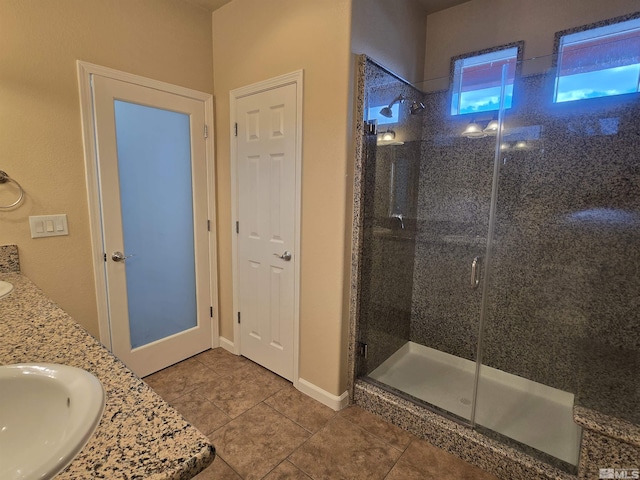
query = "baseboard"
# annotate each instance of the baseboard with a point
(227, 345)
(332, 401)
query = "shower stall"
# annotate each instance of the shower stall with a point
(496, 255)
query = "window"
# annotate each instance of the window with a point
(477, 81)
(598, 62)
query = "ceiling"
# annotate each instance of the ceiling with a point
(430, 6)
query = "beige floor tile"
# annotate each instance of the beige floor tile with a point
(257, 441)
(180, 379)
(350, 445)
(263, 375)
(218, 470)
(423, 461)
(287, 471)
(237, 393)
(221, 361)
(382, 429)
(302, 409)
(342, 450)
(200, 412)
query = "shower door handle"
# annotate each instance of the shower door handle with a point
(475, 273)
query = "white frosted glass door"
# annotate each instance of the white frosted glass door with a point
(153, 187)
(154, 165)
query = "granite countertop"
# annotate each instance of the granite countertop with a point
(140, 435)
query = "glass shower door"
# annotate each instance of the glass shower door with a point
(426, 221)
(527, 374)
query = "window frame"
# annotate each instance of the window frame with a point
(593, 101)
(452, 69)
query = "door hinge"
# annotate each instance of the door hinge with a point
(211, 311)
(238, 317)
(209, 225)
(206, 131)
(105, 257)
(236, 127)
(363, 350)
(237, 227)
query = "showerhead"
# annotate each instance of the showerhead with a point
(386, 111)
(417, 107)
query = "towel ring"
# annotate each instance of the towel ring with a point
(4, 178)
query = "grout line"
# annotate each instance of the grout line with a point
(227, 464)
(386, 442)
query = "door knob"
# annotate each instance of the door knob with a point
(119, 256)
(286, 256)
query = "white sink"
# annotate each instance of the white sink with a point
(48, 412)
(5, 288)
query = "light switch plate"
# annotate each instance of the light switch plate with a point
(48, 225)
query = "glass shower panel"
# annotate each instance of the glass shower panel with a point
(154, 167)
(426, 216)
(561, 283)
(391, 165)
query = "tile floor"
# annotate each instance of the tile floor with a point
(263, 428)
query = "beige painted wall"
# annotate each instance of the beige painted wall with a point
(482, 24)
(391, 33)
(256, 40)
(40, 132)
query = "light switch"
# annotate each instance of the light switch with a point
(48, 225)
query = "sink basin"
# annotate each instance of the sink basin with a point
(48, 412)
(5, 288)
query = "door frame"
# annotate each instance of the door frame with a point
(85, 70)
(295, 78)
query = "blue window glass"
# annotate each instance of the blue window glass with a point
(599, 62)
(477, 81)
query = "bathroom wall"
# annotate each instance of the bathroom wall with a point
(253, 41)
(452, 225)
(40, 132)
(391, 33)
(480, 24)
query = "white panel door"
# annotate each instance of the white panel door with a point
(266, 176)
(153, 191)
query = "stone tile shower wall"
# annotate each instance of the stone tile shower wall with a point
(452, 224)
(564, 288)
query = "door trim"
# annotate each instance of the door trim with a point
(85, 70)
(234, 95)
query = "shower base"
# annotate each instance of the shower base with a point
(528, 412)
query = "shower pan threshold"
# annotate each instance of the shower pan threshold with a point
(526, 411)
